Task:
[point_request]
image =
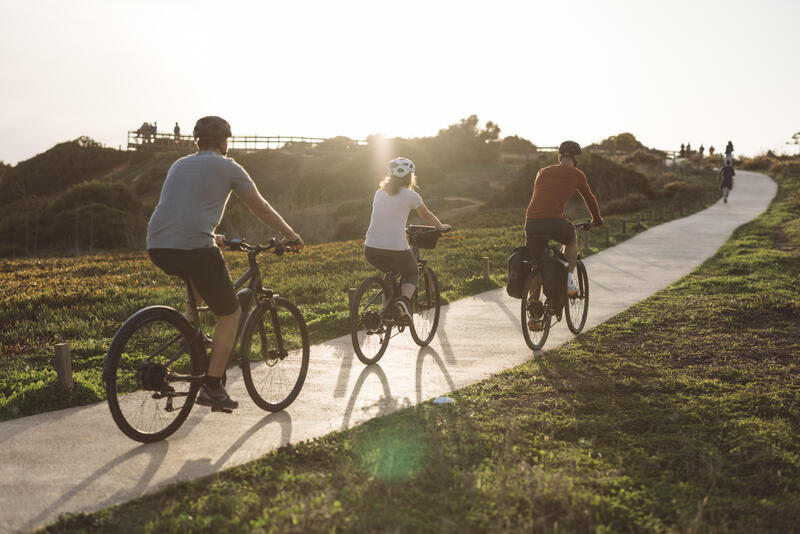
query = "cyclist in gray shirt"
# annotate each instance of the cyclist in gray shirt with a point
(181, 239)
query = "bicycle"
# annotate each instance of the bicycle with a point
(372, 312)
(539, 312)
(158, 358)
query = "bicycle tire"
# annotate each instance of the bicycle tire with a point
(275, 368)
(157, 330)
(366, 321)
(578, 307)
(533, 293)
(427, 304)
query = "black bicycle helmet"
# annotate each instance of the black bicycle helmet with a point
(569, 148)
(212, 127)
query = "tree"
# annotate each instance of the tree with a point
(465, 143)
(517, 145)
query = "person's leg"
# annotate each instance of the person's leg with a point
(221, 346)
(198, 301)
(378, 258)
(407, 290)
(405, 263)
(210, 278)
(571, 253)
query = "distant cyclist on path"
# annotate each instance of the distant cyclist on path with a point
(386, 247)
(553, 187)
(726, 174)
(181, 239)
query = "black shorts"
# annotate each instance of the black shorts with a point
(394, 261)
(206, 269)
(539, 231)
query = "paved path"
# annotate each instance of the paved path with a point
(77, 460)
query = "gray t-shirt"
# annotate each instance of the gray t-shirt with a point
(193, 200)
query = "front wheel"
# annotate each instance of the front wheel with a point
(577, 307)
(147, 373)
(426, 306)
(274, 354)
(369, 333)
(534, 313)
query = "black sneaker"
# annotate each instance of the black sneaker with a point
(403, 306)
(216, 398)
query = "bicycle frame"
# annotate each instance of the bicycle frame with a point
(253, 275)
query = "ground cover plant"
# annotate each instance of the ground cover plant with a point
(679, 414)
(83, 300)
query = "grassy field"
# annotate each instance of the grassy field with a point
(680, 414)
(83, 300)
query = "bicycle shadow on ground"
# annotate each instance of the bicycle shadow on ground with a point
(441, 335)
(203, 466)
(502, 303)
(385, 404)
(422, 354)
(157, 452)
(348, 357)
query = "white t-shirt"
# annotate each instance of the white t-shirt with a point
(387, 227)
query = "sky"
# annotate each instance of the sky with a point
(669, 72)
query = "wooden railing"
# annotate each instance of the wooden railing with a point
(166, 141)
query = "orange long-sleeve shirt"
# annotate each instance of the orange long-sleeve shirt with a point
(552, 189)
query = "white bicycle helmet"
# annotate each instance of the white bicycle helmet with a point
(400, 167)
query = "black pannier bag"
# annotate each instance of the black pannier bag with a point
(554, 277)
(519, 265)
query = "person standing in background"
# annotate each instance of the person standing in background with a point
(729, 154)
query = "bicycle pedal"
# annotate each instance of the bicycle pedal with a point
(221, 409)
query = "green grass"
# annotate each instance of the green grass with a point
(83, 300)
(680, 414)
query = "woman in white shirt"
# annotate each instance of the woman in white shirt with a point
(386, 247)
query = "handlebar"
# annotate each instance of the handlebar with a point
(239, 244)
(585, 226)
(420, 228)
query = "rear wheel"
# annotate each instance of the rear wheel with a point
(426, 305)
(577, 307)
(274, 354)
(534, 314)
(147, 372)
(370, 335)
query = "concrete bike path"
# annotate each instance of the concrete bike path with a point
(77, 460)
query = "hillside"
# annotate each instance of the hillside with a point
(82, 197)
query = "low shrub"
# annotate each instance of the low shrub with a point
(758, 163)
(628, 204)
(678, 188)
(664, 179)
(786, 168)
(643, 157)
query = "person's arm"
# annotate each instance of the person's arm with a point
(591, 202)
(427, 216)
(262, 209)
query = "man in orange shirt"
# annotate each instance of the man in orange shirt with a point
(552, 189)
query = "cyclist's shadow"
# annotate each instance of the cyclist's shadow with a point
(441, 335)
(385, 404)
(423, 353)
(157, 453)
(191, 468)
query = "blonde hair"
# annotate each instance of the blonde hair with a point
(393, 184)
